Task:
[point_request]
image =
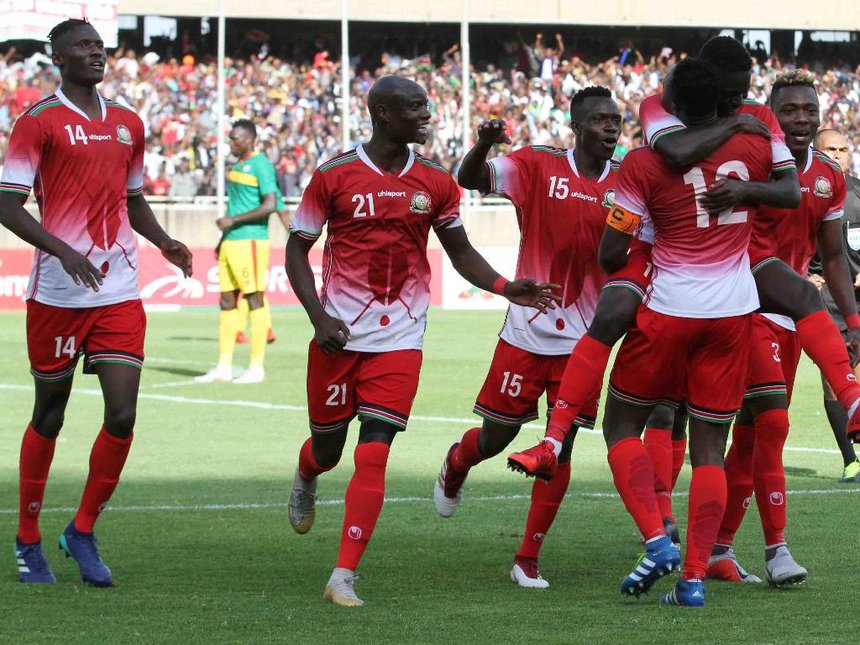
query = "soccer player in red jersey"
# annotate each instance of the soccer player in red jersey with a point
(754, 462)
(562, 198)
(83, 158)
(379, 203)
(781, 290)
(690, 341)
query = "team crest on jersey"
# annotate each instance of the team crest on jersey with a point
(608, 198)
(420, 203)
(123, 135)
(822, 188)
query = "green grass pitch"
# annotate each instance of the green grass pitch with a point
(201, 549)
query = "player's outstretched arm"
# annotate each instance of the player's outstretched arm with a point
(143, 221)
(267, 206)
(15, 217)
(473, 173)
(838, 279)
(691, 145)
(471, 265)
(783, 191)
(330, 333)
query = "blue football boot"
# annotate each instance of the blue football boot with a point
(687, 593)
(660, 558)
(82, 547)
(32, 565)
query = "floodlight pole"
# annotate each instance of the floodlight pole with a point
(466, 63)
(221, 107)
(344, 75)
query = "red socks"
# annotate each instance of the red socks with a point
(739, 480)
(467, 454)
(771, 431)
(658, 444)
(580, 385)
(37, 452)
(679, 451)
(106, 462)
(634, 479)
(546, 498)
(308, 466)
(820, 338)
(363, 500)
(707, 503)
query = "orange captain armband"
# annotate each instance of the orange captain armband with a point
(622, 219)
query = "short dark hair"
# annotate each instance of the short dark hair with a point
(576, 103)
(696, 87)
(65, 27)
(728, 55)
(247, 125)
(793, 78)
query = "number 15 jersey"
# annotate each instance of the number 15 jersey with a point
(376, 277)
(561, 215)
(701, 264)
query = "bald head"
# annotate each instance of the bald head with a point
(390, 92)
(834, 144)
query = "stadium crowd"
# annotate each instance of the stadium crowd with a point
(297, 106)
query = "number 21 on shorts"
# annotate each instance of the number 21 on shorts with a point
(67, 346)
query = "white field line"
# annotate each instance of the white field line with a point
(262, 405)
(388, 500)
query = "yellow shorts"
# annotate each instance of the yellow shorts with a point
(242, 265)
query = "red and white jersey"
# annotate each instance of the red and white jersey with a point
(561, 215)
(701, 265)
(376, 277)
(657, 122)
(822, 190)
(82, 173)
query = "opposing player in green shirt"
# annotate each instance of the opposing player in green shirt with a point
(243, 255)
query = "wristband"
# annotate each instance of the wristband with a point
(623, 220)
(501, 282)
(853, 321)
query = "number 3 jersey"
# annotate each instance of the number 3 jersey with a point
(376, 277)
(82, 173)
(561, 215)
(701, 264)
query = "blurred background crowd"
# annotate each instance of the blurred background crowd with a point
(296, 101)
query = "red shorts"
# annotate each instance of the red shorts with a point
(667, 359)
(774, 355)
(56, 336)
(373, 385)
(516, 381)
(636, 274)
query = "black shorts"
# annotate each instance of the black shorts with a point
(833, 310)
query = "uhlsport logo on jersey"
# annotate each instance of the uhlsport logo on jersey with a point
(608, 198)
(420, 203)
(123, 135)
(822, 188)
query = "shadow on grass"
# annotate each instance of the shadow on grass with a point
(176, 371)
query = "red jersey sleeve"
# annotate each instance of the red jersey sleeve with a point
(22, 156)
(510, 175)
(782, 158)
(837, 205)
(447, 215)
(631, 188)
(313, 210)
(134, 185)
(656, 120)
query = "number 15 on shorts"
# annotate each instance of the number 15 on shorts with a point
(512, 384)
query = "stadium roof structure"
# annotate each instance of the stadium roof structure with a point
(843, 15)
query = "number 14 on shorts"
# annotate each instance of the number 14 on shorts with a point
(66, 346)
